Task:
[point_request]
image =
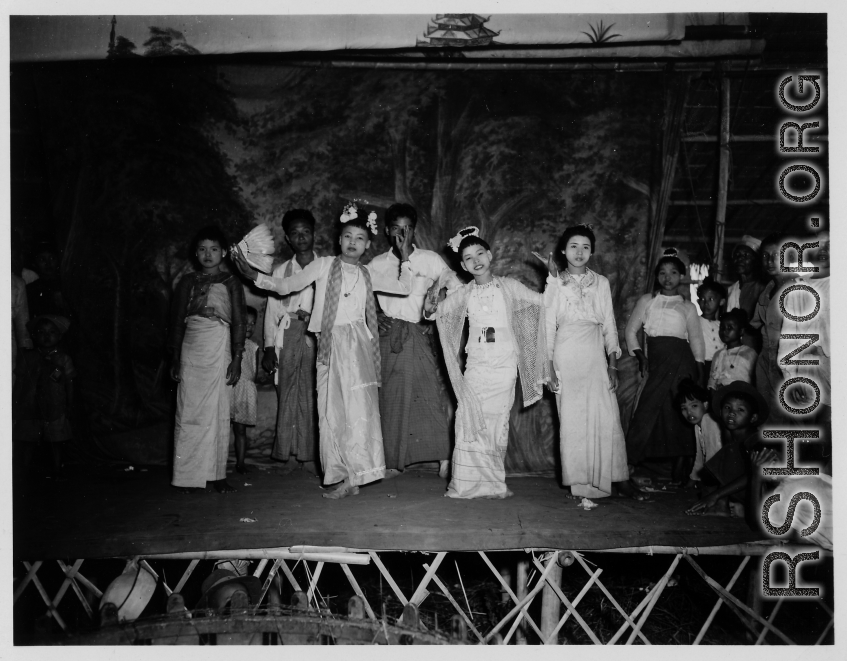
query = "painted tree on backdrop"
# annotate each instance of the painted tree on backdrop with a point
(135, 171)
(397, 136)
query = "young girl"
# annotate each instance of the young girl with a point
(711, 297)
(582, 343)
(344, 313)
(207, 342)
(244, 396)
(675, 351)
(506, 334)
(737, 361)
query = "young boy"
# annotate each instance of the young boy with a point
(711, 296)
(348, 349)
(414, 402)
(693, 401)
(742, 410)
(43, 390)
(507, 337)
(290, 350)
(736, 361)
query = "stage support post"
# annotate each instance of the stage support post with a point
(520, 590)
(550, 604)
(723, 181)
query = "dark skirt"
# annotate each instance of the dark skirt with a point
(657, 428)
(414, 401)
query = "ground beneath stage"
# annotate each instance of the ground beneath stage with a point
(112, 512)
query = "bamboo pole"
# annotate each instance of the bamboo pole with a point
(523, 566)
(660, 586)
(520, 638)
(719, 602)
(262, 554)
(526, 600)
(723, 180)
(550, 604)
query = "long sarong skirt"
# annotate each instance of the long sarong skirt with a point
(348, 409)
(657, 428)
(201, 432)
(477, 467)
(591, 440)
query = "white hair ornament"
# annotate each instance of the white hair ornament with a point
(463, 233)
(351, 212)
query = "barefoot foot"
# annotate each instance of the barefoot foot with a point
(242, 469)
(342, 491)
(391, 473)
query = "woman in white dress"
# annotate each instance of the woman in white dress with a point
(582, 342)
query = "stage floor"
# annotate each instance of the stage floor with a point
(112, 512)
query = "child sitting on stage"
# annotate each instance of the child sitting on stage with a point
(506, 335)
(43, 390)
(207, 341)
(737, 361)
(742, 410)
(711, 296)
(244, 397)
(693, 401)
(348, 371)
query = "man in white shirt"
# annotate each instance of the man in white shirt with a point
(290, 350)
(414, 400)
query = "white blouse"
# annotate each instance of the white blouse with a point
(570, 299)
(487, 308)
(666, 316)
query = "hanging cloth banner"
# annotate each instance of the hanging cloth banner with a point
(48, 38)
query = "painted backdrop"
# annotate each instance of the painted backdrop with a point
(141, 151)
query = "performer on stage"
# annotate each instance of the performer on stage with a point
(506, 338)
(290, 349)
(414, 400)
(675, 351)
(207, 342)
(582, 343)
(348, 370)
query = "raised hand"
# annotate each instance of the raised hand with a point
(403, 243)
(550, 263)
(241, 262)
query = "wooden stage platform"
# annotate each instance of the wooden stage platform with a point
(117, 513)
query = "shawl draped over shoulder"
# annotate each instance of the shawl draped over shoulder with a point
(525, 311)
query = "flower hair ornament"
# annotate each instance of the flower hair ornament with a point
(670, 252)
(456, 240)
(351, 211)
